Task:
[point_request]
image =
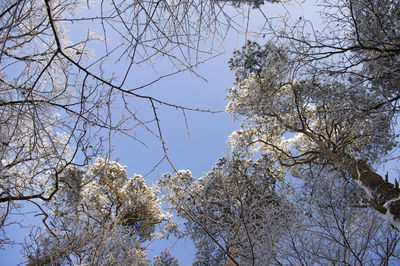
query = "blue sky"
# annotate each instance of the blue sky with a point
(208, 132)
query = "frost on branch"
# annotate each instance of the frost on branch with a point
(305, 122)
(165, 259)
(234, 212)
(99, 215)
(335, 225)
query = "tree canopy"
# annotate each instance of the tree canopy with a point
(300, 182)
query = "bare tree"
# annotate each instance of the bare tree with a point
(335, 226)
(357, 41)
(234, 214)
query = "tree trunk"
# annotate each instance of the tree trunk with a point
(385, 197)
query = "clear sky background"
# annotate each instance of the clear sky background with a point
(208, 133)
